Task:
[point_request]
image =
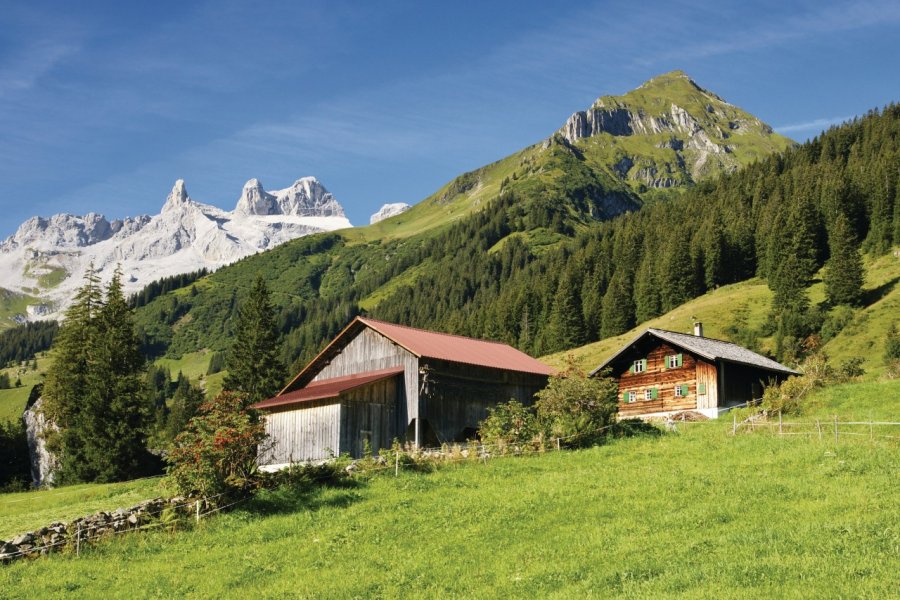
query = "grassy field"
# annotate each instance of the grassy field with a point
(696, 513)
(13, 400)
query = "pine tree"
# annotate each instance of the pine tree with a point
(185, 404)
(844, 269)
(254, 365)
(618, 307)
(94, 389)
(566, 328)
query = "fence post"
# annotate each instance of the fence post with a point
(197, 510)
(733, 423)
(78, 541)
(835, 430)
(871, 429)
(397, 464)
(819, 429)
(557, 445)
(779, 424)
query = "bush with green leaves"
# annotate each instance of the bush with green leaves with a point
(215, 456)
(788, 396)
(509, 424)
(577, 407)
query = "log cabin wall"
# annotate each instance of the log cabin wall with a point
(707, 384)
(308, 433)
(369, 413)
(657, 375)
(371, 351)
(456, 397)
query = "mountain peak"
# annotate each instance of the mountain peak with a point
(177, 198)
(255, 200)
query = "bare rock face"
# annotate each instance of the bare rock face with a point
(43, 463)
(389, 210)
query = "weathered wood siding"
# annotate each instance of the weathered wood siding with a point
(707, 375)
(742, 383)
(371, 351)
(658, 375)
(298, 434)
(370, 413)
(456, 397)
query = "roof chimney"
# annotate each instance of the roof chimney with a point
(698, 329)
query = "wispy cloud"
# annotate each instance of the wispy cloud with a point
(811, 125)
(22, 71)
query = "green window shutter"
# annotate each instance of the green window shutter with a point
(680, 358)
(701, 388)
(631, 368)
(644, 361)
(665, 362)
(624, 396)
(654, 393)
(684, 390)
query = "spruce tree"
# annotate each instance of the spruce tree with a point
(566, 328)
(94, 389)
(185, 404)
(254, 365)
(844, 269)
(618, 307)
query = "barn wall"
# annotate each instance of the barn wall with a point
(742, 383)
(308, 433)
(371, 351)
(659, 376)
(457, 397)
(370, 412)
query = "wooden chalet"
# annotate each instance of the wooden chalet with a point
(379, 381)
(664, 372)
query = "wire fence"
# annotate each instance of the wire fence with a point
(819, 428)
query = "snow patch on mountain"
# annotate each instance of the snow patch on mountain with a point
(389, 210)
(46, 257)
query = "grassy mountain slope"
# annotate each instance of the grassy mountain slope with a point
(718, 310)
(524, 205)
(697, 513)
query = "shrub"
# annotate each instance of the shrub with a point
(787, 398)
(851, 368)
(509, 424)
(576, 406)
(216, 454)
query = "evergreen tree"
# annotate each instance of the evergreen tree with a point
(844, 269)
(185, 404)
(94, 390)
(892, 345)
(254, 365)
(618, 307)
(566, 328)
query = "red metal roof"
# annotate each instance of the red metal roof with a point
(328, 388)
(455, 348)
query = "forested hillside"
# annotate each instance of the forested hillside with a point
(533, 268)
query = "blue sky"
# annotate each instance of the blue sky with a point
(104, 105)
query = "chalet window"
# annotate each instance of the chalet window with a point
(701, 388)
(639, 366)
(681, 391)
(629, 397)
(650, 394)
(673, 361)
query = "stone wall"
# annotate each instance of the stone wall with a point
(60, 536)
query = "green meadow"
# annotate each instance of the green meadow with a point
(695, 513)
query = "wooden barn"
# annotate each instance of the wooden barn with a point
(379, 381)
(663, 372)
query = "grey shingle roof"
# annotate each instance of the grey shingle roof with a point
(710, 349)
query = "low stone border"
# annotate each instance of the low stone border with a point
(58, 535)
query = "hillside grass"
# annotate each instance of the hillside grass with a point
(13, 400)
(696, 513)
(862, 337)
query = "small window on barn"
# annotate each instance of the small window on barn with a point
(673, 361)
(679, 391)
(701, 388)
(639, 366)
(629, 397)
(648, 394)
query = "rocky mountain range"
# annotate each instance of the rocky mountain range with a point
(42, 264)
